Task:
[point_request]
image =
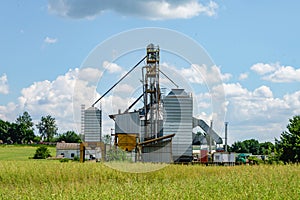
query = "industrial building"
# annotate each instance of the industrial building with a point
(92, 125)
(91, 122)
(159, 131)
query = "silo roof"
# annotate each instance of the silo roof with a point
(177, 92)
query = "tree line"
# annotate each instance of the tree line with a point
(286, 148)
(252, 146)
(22, 131)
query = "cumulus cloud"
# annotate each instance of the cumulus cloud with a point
(153, 9)
(126, 88)
(293, 100)
(111, 67)
(262, 68)
(257, 113)
(89, 74)
(277, 73)
(243, 76)
(4, 89)
(231, 89)
(284, 74)
(54, 97)
(49, 40)
(202, 74)
(62, 98)
(263, 91)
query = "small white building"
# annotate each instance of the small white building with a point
(223, 158)
(67, 150)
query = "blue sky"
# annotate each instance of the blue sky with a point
(256, 43)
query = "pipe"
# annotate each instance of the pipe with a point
(206, 128)
(119, 81)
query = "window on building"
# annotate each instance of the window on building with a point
(72, 155)
(62, 154)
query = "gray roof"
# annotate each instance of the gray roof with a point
(67, 146)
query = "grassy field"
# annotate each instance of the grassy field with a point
(44, 179)
(20, 152)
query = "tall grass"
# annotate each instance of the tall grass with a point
(54, 180)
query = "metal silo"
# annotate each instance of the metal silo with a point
(92, 125)
(178, 117)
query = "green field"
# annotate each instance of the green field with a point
(20, 152)
(45, 179)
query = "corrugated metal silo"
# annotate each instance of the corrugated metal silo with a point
(92, 125)
(178, 116)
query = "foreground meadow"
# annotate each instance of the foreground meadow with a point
(41, 179)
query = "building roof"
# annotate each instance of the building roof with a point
(67, 146)
(92, 108)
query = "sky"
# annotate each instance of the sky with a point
(46, 47)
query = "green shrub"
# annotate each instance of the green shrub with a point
(42, 153)
(253, 160)
(64, 160)
(76, 158)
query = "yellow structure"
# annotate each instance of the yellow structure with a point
(127, 142)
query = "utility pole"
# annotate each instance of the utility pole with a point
(226, 125)
(210, 138)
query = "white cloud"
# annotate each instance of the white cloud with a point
(49, 40)
(243, 76)
(189, 9)
(263, 92)
(62, 98)
(89, 74)
(52, 97)
(277, 73)
(4, 89)
(231, 90)
(293, 100)
(111, 67)
(284, 74)
(204, 75)
(126, 88)
(262, 68)
(257, 114)
(153, 9)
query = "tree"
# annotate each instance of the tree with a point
(19, 132)
(4, 128)
(289, 144)
(70, 137)
(266, 148)
(239, 147)
(247, 146)
(252, 146)
(42, 153)
(26, 120)
(25, 127)
(15, 133)
(47, 128)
